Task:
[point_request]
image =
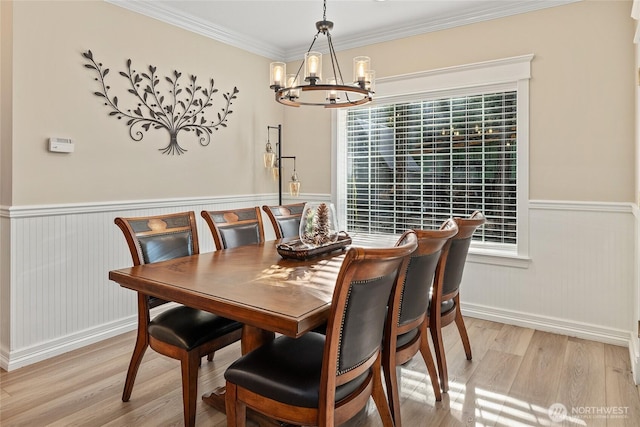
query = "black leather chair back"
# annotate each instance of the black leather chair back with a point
(236, 227)
(455, 265)
(240, 235)
(285, 219)
(163, 247)
(417, 285)
(458, 251)
(363, 320)
(160, 238)
(359, 321)
(290, 227)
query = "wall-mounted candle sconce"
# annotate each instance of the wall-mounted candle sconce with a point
(273, 160)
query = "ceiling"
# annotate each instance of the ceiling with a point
(283, 30)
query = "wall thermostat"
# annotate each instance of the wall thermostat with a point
(61, 145)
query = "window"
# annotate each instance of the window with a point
(414, 160)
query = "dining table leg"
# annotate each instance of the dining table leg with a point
(253, 337)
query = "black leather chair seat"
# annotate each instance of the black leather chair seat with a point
(287, 370)
(406, 338)
(188, 327)
(445, 307)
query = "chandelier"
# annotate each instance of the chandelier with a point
(331, 92)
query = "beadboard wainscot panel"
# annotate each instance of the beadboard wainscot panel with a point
(58, 296)
(5, 281)
(580, 277)
(634, 345)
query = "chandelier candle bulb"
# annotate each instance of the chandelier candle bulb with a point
(313, 67)
(332, 95)
(278, 71)
(292, 82)
(370, 81)
(360, 69)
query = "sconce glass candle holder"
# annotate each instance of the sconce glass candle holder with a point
(294, 185)
(269, 156)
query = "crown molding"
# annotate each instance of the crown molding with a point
(196, 25)
(384, 34)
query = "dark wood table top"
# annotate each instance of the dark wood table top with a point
(252, 284)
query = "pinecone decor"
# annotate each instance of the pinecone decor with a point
(318, 224)
(321, 229)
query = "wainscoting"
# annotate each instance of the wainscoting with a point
(579, 280)
(58, 296)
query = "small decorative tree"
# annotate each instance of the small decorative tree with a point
(180, 110)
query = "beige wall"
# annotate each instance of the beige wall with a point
(581, 143)
(53, 97)
(582, 120)
(5, 101)
(5, 166)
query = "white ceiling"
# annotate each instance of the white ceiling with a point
(284, 29)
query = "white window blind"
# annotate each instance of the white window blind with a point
(415, 164)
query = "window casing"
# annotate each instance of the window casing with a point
(440, 144)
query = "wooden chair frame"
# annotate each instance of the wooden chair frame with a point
(430, 243)
(438, 319)
(359, 265)
(189, 360)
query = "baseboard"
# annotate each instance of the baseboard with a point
(548, 324)
(634, 355)
(27, 356)
(42, 351)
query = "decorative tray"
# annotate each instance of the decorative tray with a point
(295, 249)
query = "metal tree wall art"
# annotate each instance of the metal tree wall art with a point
(182, 109)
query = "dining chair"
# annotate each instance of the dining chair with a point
(407, 322)
(445, 295)
(319, 379)
(285, 219)
(181, 332)
(235, 227)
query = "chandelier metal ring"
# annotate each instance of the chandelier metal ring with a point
(282, 95)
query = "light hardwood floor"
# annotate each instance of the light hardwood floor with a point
(515, 376)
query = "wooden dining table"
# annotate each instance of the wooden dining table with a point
(252, 284)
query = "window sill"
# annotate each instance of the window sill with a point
(494, 257)
(476, 255)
